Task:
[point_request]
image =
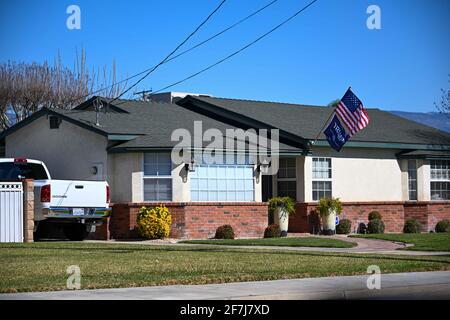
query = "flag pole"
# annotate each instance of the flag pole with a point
(328, 120)
(325, 124)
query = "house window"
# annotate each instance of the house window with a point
(412, 179)
(286, 178)
(440, 179)
(157, 176)
(321, 178)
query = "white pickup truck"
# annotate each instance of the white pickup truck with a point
(75, 207)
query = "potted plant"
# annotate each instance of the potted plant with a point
(328, 209)
(281, 208)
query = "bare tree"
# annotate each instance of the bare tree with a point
(27, 87)
(444, 104)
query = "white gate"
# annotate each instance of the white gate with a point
(11, 212)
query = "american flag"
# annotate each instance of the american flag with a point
(351, 111)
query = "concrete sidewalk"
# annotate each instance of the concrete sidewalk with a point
(416, 285)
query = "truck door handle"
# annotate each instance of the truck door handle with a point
(79, 187)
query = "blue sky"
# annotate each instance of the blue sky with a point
(311, 60)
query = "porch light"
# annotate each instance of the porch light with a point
(263, 165)
(190, 166)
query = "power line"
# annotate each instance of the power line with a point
(238, 51)
(183, 52)
(223, 31)
(171, 53)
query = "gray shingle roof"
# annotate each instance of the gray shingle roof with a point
(305, 121)
(155, 122)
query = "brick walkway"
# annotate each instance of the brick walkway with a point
(363, 246)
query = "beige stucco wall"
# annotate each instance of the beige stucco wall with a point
(362, 175)
(69, 152)
(180, 184)
(423, 180)
(125, 176)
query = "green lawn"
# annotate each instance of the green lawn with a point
(285, 242)
(42, 266)
(421, 241)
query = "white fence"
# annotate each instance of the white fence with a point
(11, 212)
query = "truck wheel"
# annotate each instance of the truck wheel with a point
(75, 232)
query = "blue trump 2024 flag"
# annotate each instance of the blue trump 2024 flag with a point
(336, 134)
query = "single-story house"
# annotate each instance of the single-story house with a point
(395, 166)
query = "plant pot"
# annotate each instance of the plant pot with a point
(329, 222)
(281, 217)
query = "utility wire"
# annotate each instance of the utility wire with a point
(183, 52)
(238, 51)
(171, 53)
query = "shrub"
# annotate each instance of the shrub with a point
(362, 228)
(224, 232)
(154, 222)
(375, 226)
(375, 215)
(344, 227)
(443, 226)
(411, 226)
(272, 231)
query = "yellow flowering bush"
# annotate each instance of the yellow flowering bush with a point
(154, 222)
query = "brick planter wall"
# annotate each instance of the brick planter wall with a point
(200, 220)
(418, 212)
(196, 220)
(437, 211)
(394, 214)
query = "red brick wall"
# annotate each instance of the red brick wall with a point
(200, 220)
(394, 214)
(418, 212)
(304, 219)
(191, 220)
(247, 219)
(437, 211)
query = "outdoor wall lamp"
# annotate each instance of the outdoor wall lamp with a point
(190, 166)
(263, 166)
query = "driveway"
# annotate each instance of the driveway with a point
(415, 285)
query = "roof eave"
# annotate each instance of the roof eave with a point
(387, 145)
(45, 111)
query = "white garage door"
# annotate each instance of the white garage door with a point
(222, 183)
(11, 208)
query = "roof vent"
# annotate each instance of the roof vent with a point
(55, 121)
